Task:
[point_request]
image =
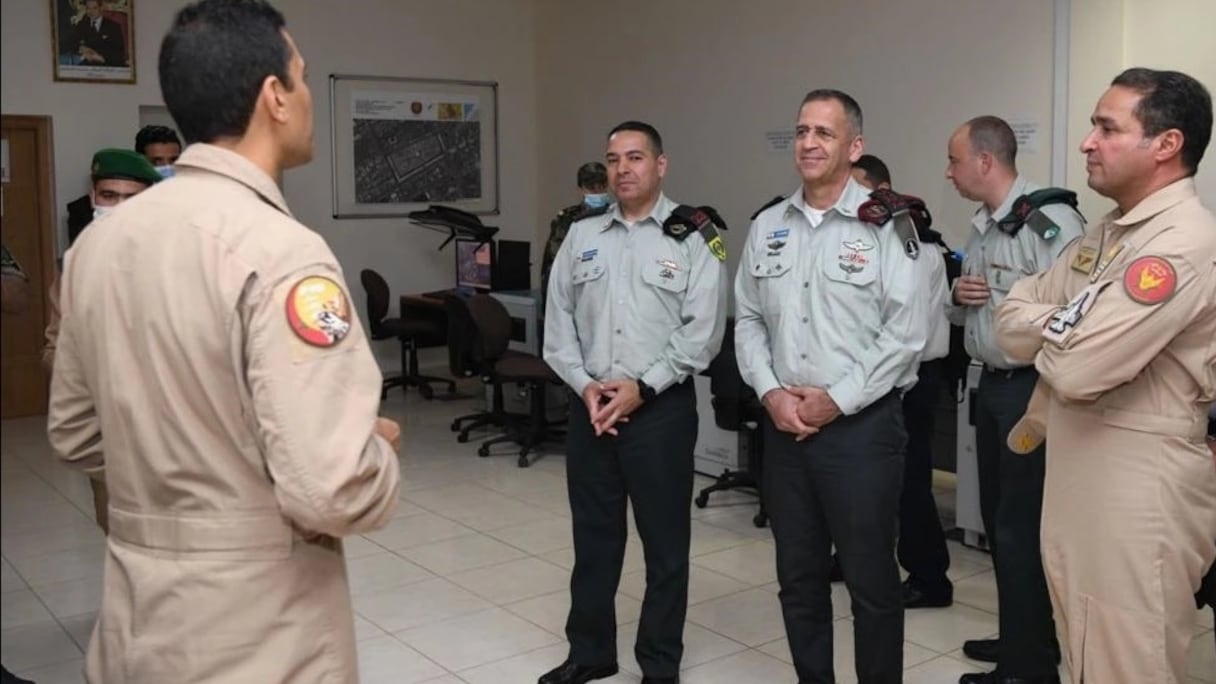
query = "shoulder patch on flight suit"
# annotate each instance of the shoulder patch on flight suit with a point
(318, 311)
(705, 220)
(1150, 280)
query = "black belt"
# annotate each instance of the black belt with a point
(1008, 372)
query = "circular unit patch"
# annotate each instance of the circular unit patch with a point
(318, 311)
(1150, 280)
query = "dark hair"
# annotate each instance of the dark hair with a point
(153, 135)
(993, 135)
(213, 62)
(876, 171)
(1172, 99)
(652, 135)
(852, 110)
(592, 174)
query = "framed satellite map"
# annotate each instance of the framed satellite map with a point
(401, 144)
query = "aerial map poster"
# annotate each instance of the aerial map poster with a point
(404, 144)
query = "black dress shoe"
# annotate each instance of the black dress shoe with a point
(571, 672)
(660, 680)
(985, 650)
(998, 678)
(916, 596)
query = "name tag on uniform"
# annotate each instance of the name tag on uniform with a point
(588, 255)
(778, 234)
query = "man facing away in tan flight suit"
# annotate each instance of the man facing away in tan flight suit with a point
(1123, 332)
(210, 362)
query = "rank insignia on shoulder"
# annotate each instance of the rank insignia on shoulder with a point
(767, 204)
(1027, 211)
(1150, 280)
(704, 220)
(908, 214)
(318, 311)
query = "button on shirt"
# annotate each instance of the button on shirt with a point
(835, 304)
(1003, 260)
(627, 301)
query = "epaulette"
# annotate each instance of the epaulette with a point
(1026, 212)
(768, 204)
(684, 220)
(908, 214)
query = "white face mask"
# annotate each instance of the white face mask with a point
(165, 171)
(98, 212)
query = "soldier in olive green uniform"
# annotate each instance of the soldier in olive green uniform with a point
(593, 183)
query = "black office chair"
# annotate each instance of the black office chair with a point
(469, 355)
(413, 335)
(738, 409)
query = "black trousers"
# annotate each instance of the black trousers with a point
(840, 486)
(650, 464)
(1011, 503)
(922, 541)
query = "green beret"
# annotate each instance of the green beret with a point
(127, 164)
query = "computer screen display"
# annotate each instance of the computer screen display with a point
(474, 264)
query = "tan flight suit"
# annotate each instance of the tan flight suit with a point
(1123, 331)
(210, 363)
(97, 482)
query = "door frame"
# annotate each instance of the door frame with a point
(44, 135)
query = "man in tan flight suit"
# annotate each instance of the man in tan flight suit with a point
(1122, 331)
(210, 362)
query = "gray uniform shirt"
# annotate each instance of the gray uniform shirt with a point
(1004, 260)
(837, 306)
(627, 301)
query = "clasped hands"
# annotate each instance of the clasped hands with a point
(801, 411)
(611, 402)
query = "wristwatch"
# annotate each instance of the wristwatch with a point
(645, 391)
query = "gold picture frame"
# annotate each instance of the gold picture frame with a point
(93, 41)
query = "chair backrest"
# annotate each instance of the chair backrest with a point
(732, 399)
(493, 326)
(377, 297)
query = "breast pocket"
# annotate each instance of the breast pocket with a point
(667, 276)
(854, 263)
(1001, 279)
(773, 278)
(586, 272)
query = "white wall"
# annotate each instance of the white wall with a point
(459, 39)
(714, 75)
(1111, 35)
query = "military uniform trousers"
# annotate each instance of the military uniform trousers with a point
(840, 486)
(649, 465)
(922, 542)
(1011, 504)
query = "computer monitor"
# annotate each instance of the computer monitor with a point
(474, 265)
(512, 266)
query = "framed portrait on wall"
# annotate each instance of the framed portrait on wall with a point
(403, 144)
(93, 40)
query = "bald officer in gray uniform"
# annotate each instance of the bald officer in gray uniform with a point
(830, 326)
(637, 305)
(1012, 239)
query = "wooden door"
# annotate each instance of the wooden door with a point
(27, 227)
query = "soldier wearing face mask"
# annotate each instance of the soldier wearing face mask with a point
(593, 184)
(158, 144)
(118, 175)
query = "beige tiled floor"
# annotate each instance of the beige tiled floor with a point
(469, 582)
